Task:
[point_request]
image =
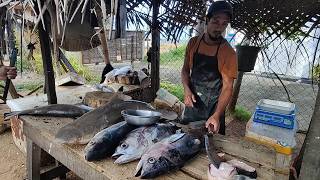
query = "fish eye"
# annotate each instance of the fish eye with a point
(151, 160)
(155, 140)
(92, 143)
(124, 145)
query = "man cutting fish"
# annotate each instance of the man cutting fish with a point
(210, 66)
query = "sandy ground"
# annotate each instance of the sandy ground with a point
(12, 160)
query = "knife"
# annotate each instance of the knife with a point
(212, 155)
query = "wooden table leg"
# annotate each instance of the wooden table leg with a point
(33, 160)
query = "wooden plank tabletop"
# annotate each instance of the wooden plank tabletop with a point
(41, 131)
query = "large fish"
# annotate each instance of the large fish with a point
(105, 142)
(139, 140)
(53, 110)
(86, 126)
(168, 154)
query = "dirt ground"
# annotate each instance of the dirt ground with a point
(12, 160)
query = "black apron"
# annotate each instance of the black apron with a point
(206, 84)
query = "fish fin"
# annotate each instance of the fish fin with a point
(84, 107)
(175, 137)
(10, 114)
(138, 169)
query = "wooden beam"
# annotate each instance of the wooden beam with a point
(65, 61)
(47, 66)
(310, 168)
(155, 49)
(33, 160)
(2, 26)
(60, 170)
(121, 19)
(13, 52)
(54, 35)
(236, 90)
(104, 45)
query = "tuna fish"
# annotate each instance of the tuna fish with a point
(139, 140)
(105, 142)
(85, 127)
(53, 110)
(168, 154)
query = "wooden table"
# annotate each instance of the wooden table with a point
(40, 135)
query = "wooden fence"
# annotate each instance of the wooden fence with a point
(129, 48)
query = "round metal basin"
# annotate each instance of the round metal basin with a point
(141, 117)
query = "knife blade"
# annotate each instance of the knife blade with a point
(212, 155)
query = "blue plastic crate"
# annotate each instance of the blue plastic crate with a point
(275, 119)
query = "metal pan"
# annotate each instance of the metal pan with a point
(141, 117)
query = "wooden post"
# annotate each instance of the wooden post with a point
(235, 93)
(12, 51)
(64, 61)
(310, 168)
(47, 66)
(54, 33)
(2, 26)
(33, 160)
(121, 19)
(155, 52)
(104, 45)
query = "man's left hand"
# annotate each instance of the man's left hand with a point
(213, 124)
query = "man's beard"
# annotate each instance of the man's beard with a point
(217, 36)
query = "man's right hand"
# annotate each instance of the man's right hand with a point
(189, 98)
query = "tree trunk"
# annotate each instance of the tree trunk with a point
(155, 52)
(235, 93)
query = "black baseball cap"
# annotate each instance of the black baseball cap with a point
(220, 6)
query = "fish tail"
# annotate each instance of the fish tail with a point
(7, 116)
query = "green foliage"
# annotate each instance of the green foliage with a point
(316, 72)
(173, 55)
(82, 70)
(175, 89)
(38, 65)
(241, 113)
(25, 87)
(31, 65)
(28, 86)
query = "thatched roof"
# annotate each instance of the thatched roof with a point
(276, 18)
(268, 18)
(273, 18)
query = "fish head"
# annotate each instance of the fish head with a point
(94, 149)
(167, 155)
(68, 135)
(127, 152)
(153, 166)
(131, 148)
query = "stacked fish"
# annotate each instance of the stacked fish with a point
(103, 130)
(158, 146)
